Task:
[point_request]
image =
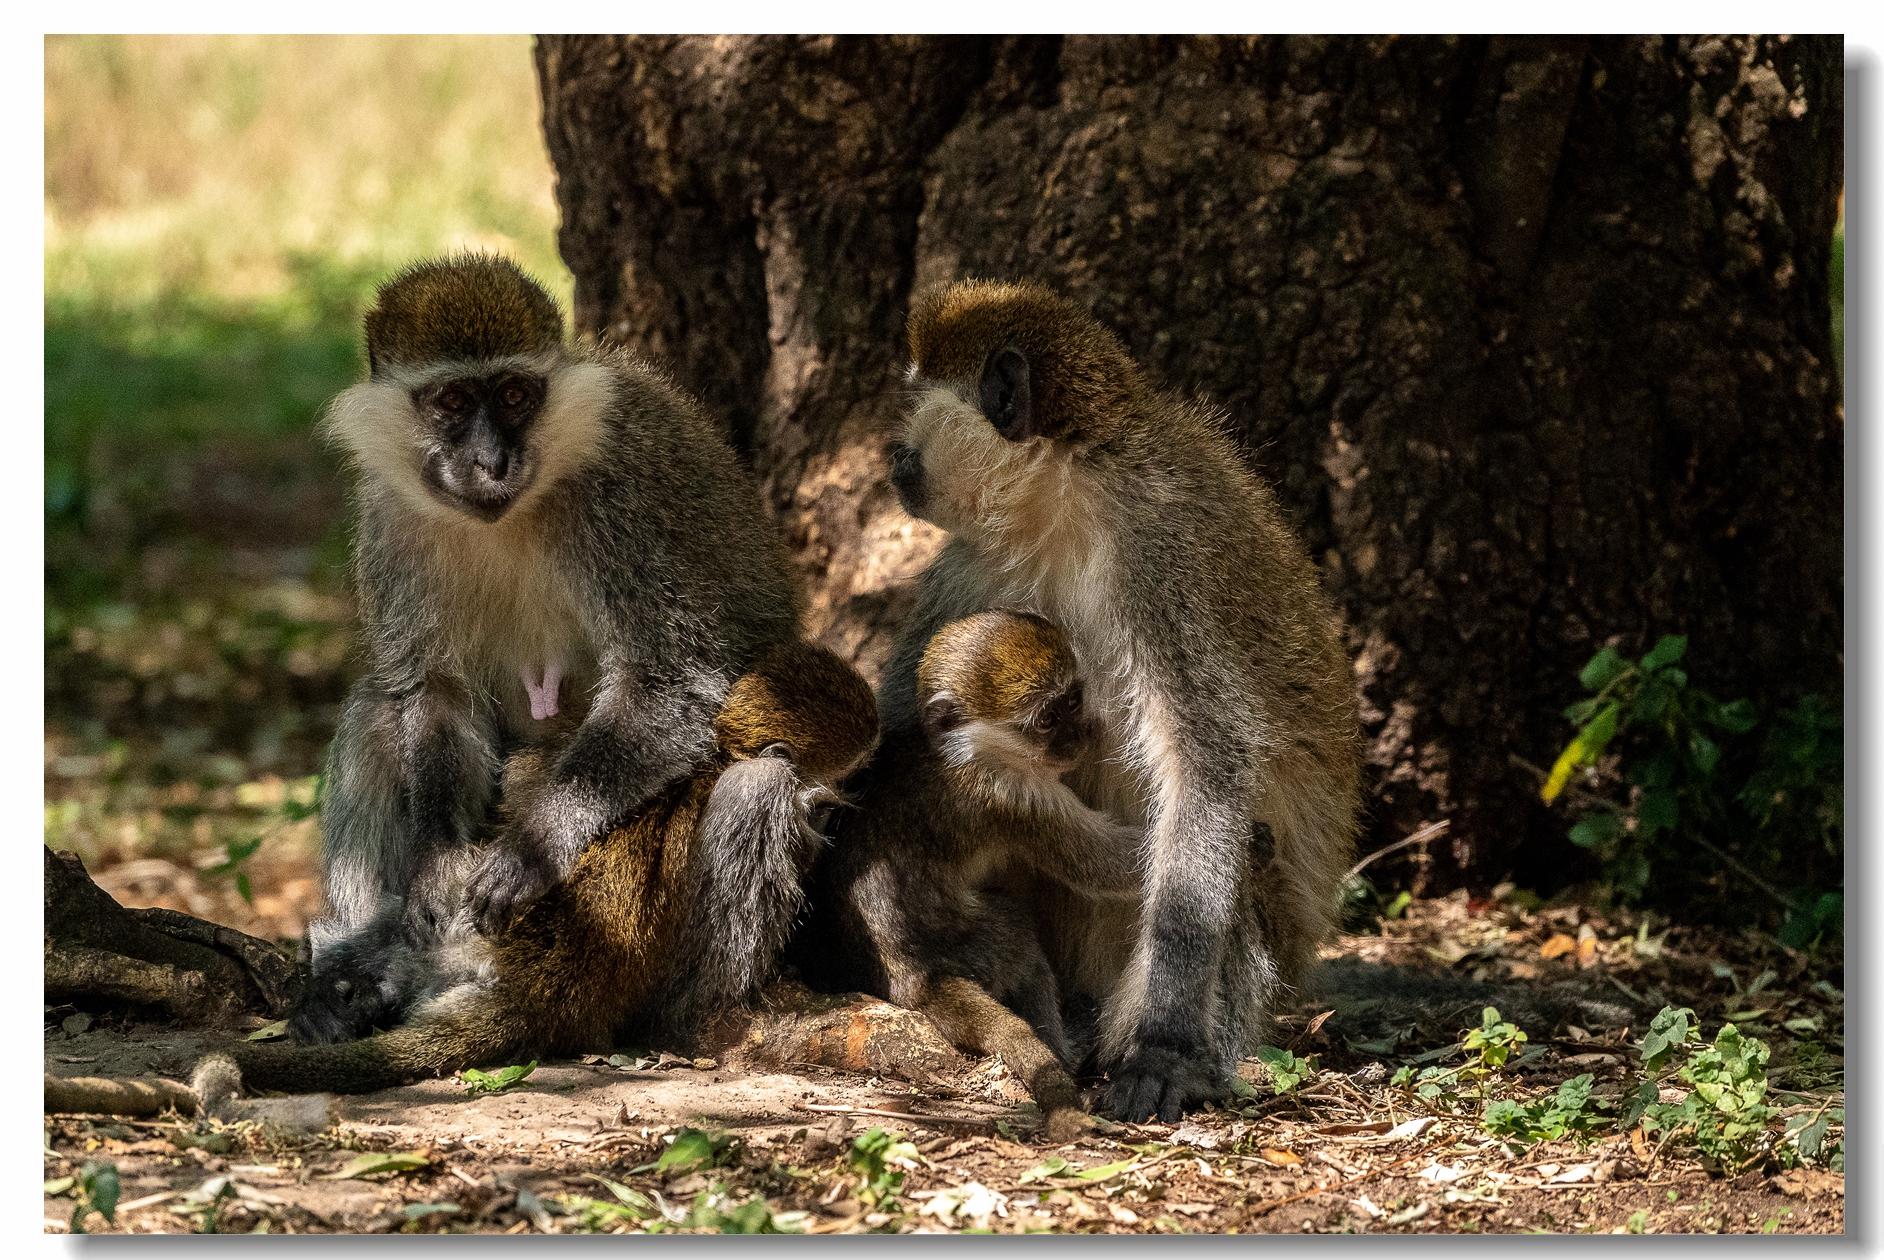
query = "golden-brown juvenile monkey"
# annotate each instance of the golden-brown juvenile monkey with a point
(901, 903)
(1212, 657)
(540, 530)
(637, 938)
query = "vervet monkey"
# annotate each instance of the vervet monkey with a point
(901, 903)
(539, 530)
(667, 920)
(1212, 660)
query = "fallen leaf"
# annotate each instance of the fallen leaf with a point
(1557, 946)
(1105, 1172)
(1408, 1128)
(1314, 1025)
(1275, 1156)
(1441, 1172)
(1586, 949)
(1368, 1206)
(1638, 1142)
(1578, 1172)
(370, 1162)
(1053, 1167)
(269, 1032)
(1411, 1214)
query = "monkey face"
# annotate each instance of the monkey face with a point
(955, 469)
(1015, 387)
(477, 453)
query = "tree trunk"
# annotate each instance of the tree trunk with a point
(1531, 334)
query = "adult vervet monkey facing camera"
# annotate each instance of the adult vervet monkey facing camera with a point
(1212, 661)
(539, 530)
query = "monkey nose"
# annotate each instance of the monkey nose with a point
(493, 464)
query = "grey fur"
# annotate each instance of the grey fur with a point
(745, 890)
(1199, 620)
(653, 548)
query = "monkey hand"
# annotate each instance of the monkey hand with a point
(1157, 1083)
(347, 998)
(508, 878)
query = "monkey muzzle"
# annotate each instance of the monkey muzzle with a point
(912, 489)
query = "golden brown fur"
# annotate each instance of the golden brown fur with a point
(903, 907)
(605, 948)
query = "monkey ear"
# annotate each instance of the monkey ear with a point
(942, 713)
(1007, 394)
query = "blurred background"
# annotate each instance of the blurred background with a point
(217, 212)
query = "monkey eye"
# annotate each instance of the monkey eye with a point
(512, 396)
(454, 399)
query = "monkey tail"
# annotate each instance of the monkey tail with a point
(968, 1017)
(746, 888)
(459, 1031)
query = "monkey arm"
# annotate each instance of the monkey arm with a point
(634, 741)
(1083, 848)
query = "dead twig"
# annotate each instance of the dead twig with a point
(839, 1109)
(1255, 1210)
(1431, 831)
(1582, 797)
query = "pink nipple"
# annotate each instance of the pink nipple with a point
(543, 690)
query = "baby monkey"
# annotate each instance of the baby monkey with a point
(638, 939)
(907, 903)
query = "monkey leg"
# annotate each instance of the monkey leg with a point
(393, 885)
(1004, 955)
(969, 1018)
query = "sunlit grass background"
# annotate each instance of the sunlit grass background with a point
(217, 211)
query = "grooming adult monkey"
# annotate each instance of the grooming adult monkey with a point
(668, 919)
(1211, 655)
(538, 530)
(901, 906)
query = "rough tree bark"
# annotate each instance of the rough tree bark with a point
(1531, 334)
(100, 955)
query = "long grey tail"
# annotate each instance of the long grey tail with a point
(746, 888)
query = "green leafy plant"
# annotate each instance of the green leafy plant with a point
(881, 1157)
(599, 1216)
(477, 1082)
(1668, 788)
(1286, 1071)
(711, 1214)
(694, 1149)
(1571, 1111)
(96, 1188)
(1724, 1113)
(236, 853)
(1677, 729)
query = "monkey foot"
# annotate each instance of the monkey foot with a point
(543, 690)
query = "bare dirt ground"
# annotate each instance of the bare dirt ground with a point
(1337, 1155)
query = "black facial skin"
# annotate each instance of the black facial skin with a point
(479, 461)
(1062, 727)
